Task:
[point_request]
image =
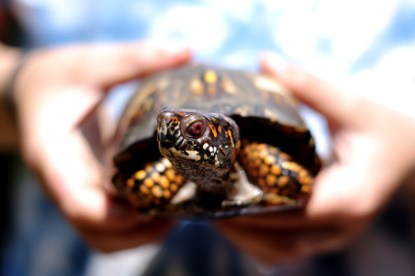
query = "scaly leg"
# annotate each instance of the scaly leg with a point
(282, 180)
(153, 186)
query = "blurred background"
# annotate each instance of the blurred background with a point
(364, 45)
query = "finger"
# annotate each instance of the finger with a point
(345, 194)
(75, 180)
(280, 220)
(317, 94)
(144, 233)
(110, 64)
(270, 246)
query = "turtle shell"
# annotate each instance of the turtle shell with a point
(263, 109)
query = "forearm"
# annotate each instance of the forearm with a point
(9, 59)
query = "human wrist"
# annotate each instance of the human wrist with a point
(10, 58)
(11, 61)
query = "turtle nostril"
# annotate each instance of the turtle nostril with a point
(164, 117)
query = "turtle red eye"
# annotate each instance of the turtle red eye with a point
(196, 129)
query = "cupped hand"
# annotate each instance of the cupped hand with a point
(373, 153)
(56, 91)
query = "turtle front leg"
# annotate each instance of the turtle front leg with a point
(282, 180)
(152, 186)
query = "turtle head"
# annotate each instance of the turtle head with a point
(201, 146)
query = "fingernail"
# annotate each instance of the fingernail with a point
(275, 62)
(174, 49)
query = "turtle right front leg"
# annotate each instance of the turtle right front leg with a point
(152, 186)
(281, 179)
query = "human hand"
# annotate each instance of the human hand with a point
(55, 92)
(373, 154)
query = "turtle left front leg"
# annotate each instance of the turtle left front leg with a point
(150, 187)
(282, 180)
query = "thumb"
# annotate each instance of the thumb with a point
(333, 103)
(109, 64)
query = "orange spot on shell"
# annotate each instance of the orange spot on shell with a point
(210, 77)
(196, 86)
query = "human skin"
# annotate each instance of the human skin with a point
(56, 92)
(372, 156)
(58, 89)
(9, 57)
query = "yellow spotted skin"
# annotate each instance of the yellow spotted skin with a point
(154, 185)
(275, 173)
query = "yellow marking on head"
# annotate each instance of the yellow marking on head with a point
(210, 77)
(229, 133)
(213, 129)
(174, 120)
(219, 128)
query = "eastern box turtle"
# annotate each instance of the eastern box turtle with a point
(203, 141)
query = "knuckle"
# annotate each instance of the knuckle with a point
(362, 210)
